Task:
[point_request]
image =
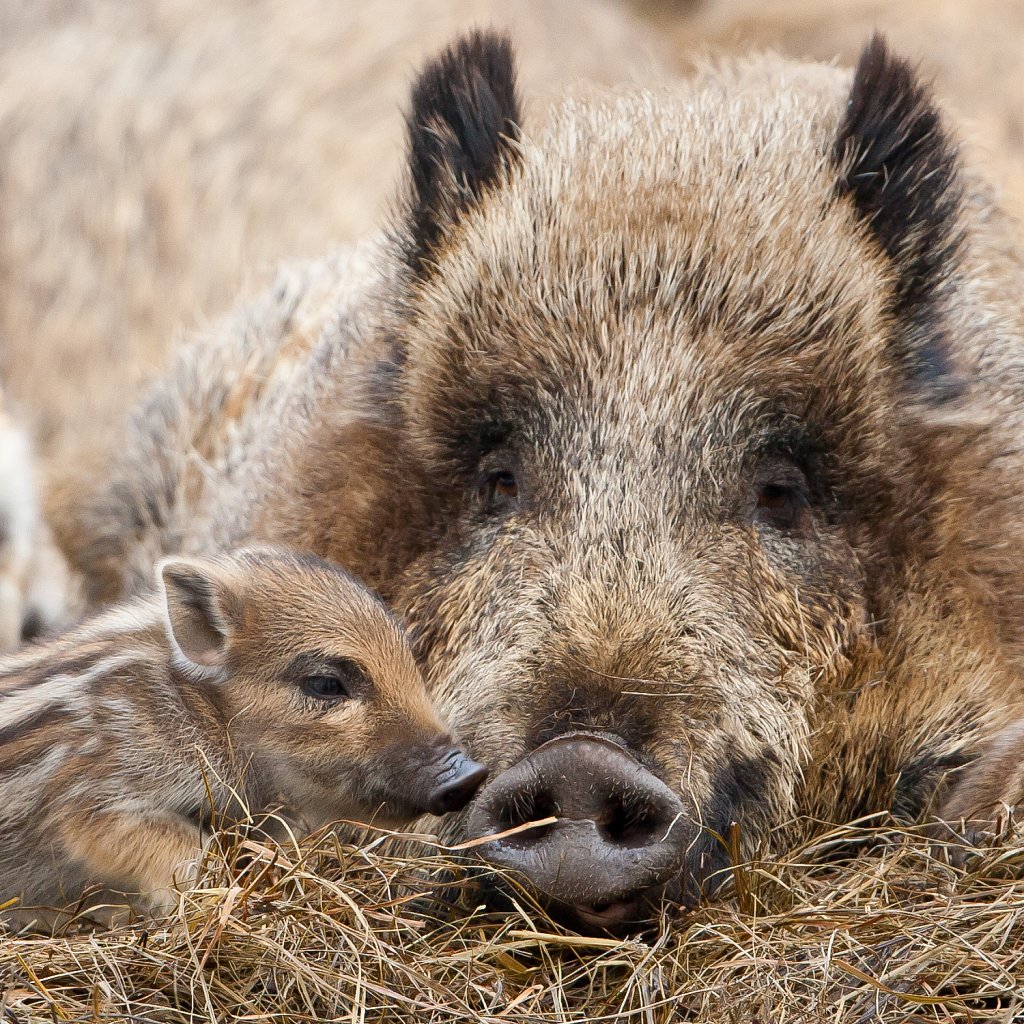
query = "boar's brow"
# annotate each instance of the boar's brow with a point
(612, 675)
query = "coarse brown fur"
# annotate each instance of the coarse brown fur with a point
(122, 741)
(689, 417)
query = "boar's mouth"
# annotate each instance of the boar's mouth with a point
(620, 837)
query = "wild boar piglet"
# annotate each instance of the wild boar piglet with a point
(263, 680)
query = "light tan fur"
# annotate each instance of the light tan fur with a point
(118, 750)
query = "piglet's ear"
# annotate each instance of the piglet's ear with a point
(899, 168)
(462, 124)
(197, 602)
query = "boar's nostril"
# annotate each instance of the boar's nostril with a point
(631, 820)
(457, 781)
(520, 807)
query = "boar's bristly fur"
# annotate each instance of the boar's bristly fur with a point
(633, 417)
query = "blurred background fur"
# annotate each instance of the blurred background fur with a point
(158, 156)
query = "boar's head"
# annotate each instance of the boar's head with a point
(656, 362)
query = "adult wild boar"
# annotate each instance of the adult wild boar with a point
(682, 428)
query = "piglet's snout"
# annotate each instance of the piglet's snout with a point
(431, 779)
(457, 779)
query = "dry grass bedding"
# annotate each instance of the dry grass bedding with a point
(327, 931)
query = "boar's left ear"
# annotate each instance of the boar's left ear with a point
(462, 128)
(900, 169)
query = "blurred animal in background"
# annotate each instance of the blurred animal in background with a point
(35, 593)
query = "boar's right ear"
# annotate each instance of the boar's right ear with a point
(462, 125)
(197, 607)
(900, 169)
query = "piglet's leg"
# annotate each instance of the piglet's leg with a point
(991, 788)
(136, 853)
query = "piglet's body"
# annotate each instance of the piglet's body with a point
(261, 680)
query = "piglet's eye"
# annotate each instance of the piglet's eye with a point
(325, 687)
(498, 491)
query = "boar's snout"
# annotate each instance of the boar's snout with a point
(620, 830)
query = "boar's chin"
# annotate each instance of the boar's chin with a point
(641, 912)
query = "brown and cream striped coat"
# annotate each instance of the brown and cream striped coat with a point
(257, 681)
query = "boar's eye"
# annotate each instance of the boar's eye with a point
(325, 687)
(780, 504)
(498, 491)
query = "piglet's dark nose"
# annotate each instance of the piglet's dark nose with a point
(458, 779)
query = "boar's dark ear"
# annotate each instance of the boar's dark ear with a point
(198, 609)
(900, 169)
(462, 128)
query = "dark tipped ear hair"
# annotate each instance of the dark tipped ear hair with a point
(900, 169)
(462, 126)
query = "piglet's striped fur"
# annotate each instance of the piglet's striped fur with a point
(258, 681)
